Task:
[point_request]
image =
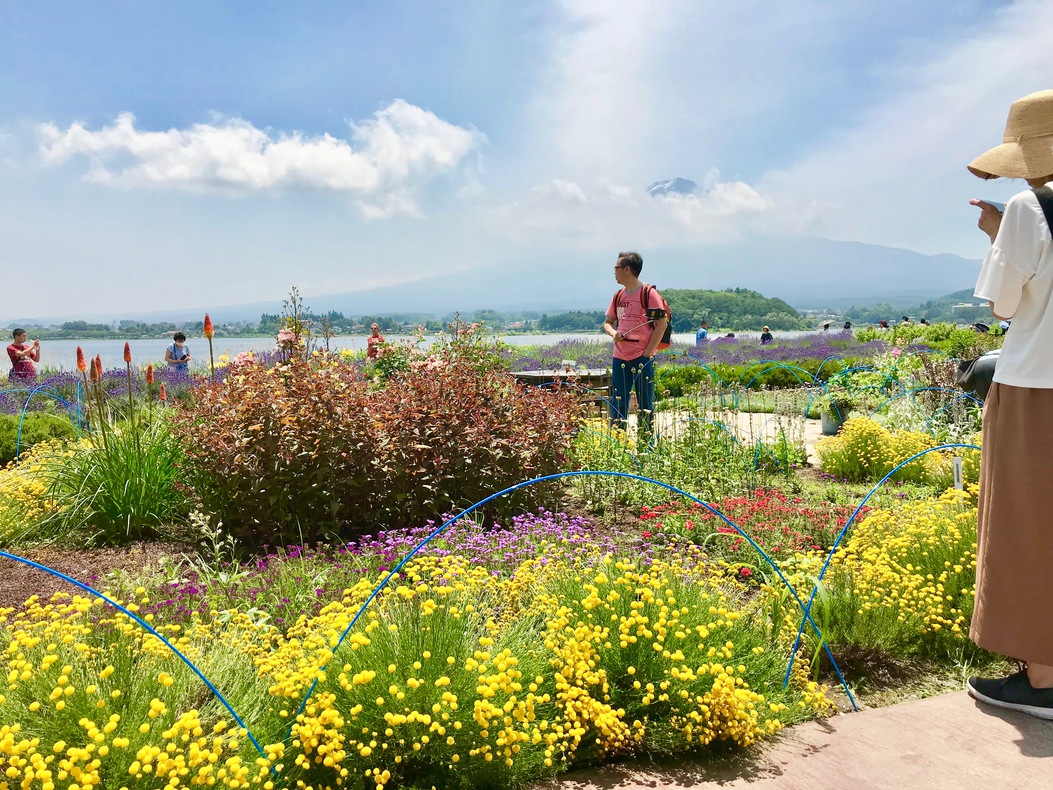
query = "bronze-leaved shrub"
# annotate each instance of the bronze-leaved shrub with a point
(302, 453)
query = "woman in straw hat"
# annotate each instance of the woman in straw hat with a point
(1014, 571)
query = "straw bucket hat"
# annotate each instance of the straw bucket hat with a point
(1027, 147)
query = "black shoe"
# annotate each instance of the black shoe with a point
(1013, 693)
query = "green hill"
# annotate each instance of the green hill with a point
(737, 308)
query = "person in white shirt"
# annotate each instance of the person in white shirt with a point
(1013, 612)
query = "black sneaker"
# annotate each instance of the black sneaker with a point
(1013, 693)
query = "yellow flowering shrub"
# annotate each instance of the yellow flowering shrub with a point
(24, 494)
(454, 676)
(905, 579)
(864, 451)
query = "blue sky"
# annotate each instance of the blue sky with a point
(162, 155)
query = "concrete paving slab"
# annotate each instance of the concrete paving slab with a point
(949, 742)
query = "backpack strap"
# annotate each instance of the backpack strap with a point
(1045, 199)
(614, 302)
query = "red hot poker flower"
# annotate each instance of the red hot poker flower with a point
(82, 363)
(209, 330)
(98, 364)
(149, 374)
(127, 353)
(94, 371)
(163, 394)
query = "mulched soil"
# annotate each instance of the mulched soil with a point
(19, 581)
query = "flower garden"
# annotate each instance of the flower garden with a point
(328, 621)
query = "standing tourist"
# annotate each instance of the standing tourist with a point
(23, 355)
(177, 355)
(374, 341)
(766, 336)
(702, 333)
(634, 323)
(1014, 566)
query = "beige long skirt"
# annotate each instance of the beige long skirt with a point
(1014, 569)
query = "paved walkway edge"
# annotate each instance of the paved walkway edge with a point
(948, 742)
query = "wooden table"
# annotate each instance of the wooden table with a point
(594, 383)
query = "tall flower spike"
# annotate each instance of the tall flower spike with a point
(127, 353)
(82, 363)
(163, 394)
(209, 330)
(149, 374)
(98, 364)
(94, 371)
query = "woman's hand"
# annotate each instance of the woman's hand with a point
(990, 218)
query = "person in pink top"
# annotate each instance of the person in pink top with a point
(636, 337)
(23, 355)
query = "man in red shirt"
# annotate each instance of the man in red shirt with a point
(22, 356)
(635, 339)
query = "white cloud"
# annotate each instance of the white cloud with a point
(566, 213)
(388, 159)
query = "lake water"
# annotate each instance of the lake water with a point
(62, 354)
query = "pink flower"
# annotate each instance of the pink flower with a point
(286, 337)
(244, 358)
(896, 352)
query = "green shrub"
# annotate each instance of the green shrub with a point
(37, 427)
(300, 453)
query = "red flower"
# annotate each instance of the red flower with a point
(208, 331)
(127, 353)
(98, 364)
(149, 374)
(82, 364)
(646, 534)
(163, 394)
(94, 370)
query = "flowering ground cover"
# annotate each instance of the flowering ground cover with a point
(782, 525)
(467, 671)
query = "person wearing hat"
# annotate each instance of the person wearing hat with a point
(766, 336)
(1013, 612)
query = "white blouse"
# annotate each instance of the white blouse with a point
(1017, 277)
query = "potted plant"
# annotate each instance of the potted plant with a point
(834, 403)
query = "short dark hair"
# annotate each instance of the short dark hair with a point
(17, 332)
(179, 336)
(704, 322)
(632, 260)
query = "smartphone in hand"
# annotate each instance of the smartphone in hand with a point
(1000, 207)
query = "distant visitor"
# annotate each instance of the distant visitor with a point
(177, 355)
(374, 342)
(23, 355)
(766, 336)
(702, 333)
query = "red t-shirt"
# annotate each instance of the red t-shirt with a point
(628, 315)
(373, 346)
(23, 366)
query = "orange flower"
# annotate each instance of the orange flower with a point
(82, 364)
(98, 364)
(94, 370)
(127, 352)
(208, 331)
(149, 374)
(163, 394)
